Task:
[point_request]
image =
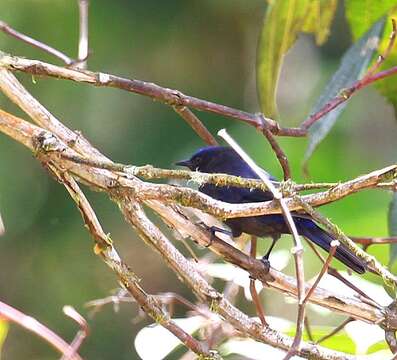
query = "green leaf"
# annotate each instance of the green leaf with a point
(283, 21)
(381, 345)
(353, 64)
(341, 341)
(393, 228)
(3, 333)
(392, 223)
(360, 16)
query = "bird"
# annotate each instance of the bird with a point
(225, 160)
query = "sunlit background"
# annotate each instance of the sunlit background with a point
(203, 48)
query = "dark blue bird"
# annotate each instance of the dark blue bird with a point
(218, 159)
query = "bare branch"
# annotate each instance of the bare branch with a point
(254, 294)
(81, 334)
(371, 261)
(196, 124)
(385, 55)
(335, 331)
(35, 43)
(334, 245)
(47, 147)
(367, 241)
(83, 34)
(285, 284)
(165, 95)
(104, 248)
(2, 227)
(282, 158)
(34, 326)
(368, 79)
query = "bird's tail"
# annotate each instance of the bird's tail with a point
(314, 233)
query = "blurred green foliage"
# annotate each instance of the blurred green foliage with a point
(204, 48)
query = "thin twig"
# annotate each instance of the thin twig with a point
(81, 334)
(382, 57)
(334, 245)
(335, 273)
(176, 98)
(83, 52)
(31, 324)
(196, 124)
(308, 330)
(255, 297)
(282, 158)
(370, 260)
(121, 295)
(2, 227)
(35, 43)
(335, 331)
(367, 241)
(366, 80)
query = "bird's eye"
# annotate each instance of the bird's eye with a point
(196, 163)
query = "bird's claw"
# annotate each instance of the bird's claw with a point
(213, 230)
(266, 263)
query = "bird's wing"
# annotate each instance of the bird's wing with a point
(235, 195)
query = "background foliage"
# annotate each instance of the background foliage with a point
(205, 48)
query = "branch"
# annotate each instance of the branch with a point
(282, 158)
(7, 29)
(26, 131)
(156, 92)
(367, 241)
(81, 334)
(104, 248)
(369, 78)
(2, 227)
(34, 326)
(254, 294)
(177, 98)
(83, 52)
(371, 261)
(47, 147)
(195, 124)
(255, 267)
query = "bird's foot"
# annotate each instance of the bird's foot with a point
(213, 230)
(266, 263)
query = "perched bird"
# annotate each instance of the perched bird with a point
(219, 159)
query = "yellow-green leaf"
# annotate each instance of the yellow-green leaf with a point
(283, 21)
(362, 14)
(3, 332)
(319, 19)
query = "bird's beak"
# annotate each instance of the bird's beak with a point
(186, 163)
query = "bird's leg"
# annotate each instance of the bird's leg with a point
(265, 258)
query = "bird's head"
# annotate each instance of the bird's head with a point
(212, 159)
